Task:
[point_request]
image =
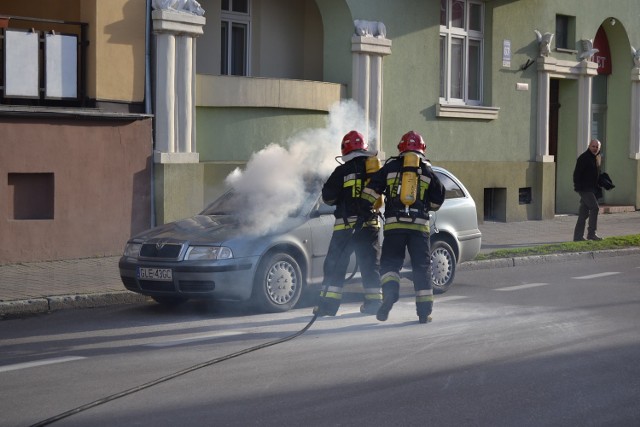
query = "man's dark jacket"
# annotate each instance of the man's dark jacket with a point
(585, 174)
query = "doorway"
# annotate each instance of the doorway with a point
(599, 115)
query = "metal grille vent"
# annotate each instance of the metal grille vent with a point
(168, 250)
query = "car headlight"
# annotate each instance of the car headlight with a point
(132, 249)
(208, 252)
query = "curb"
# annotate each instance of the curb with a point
(60, 302)
(543, 259)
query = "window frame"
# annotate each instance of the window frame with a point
(229, 19)
(565, 38)
(448, 36)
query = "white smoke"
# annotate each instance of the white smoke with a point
(272, 183)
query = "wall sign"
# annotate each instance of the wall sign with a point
(506, 53)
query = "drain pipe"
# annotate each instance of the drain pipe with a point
(147, 105)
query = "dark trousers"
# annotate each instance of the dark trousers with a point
(417, 244)
(588, 209)
(396, 242)
(343, 243)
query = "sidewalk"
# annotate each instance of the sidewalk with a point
(46, 286)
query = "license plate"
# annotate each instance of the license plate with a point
(149, 273)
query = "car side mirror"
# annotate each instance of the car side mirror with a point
(322, 209)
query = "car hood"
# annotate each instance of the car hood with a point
(211, 229)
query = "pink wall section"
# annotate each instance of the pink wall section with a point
(101, 172)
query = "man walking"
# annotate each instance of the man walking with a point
(585, 183)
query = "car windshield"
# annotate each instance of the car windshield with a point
(226, 204)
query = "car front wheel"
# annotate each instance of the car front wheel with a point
(443, 264)
(277, 284)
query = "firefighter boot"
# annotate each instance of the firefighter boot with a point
(370, 306)
(327, 306)
(389, 297)
(423, 309)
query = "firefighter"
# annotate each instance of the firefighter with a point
(411, 190)
(342, 190)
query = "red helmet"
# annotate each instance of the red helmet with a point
(412, 141)
(353, 141)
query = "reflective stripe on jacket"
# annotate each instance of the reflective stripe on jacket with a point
(343, 188)
(350, 222)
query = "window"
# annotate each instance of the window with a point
(451, 189)
(461, 51)
(565, 30)
(235, 29)
(31, 196)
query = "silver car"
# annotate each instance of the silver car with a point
(209, 256)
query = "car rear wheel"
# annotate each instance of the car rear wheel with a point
(443, 263)
(277, 284)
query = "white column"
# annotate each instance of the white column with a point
(165, 90)
(542, 150)
(360, 82)
(175, 101)
(584, 114)
(375, 98)
(634, 135)
(184, 99)
(193, 148)
(546, 65)
(587, 70)
(367, 80)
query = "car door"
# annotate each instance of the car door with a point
(321, 221)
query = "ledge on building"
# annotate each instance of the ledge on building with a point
(235, 91)
(93, 113)
(165, 158)
(608, 209)
(467, 112)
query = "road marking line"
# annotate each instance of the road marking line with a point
(37, 363)
(594, 276)
(451, 298)
(188, 340)
(518, 287)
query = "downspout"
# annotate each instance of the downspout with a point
(147, 106)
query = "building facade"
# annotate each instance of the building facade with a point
(75, 136)
(507, 93)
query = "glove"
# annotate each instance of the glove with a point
(358, 225)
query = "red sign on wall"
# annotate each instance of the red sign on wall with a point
(603, 57)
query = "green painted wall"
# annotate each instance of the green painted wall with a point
(498, 153)
(233, 134)
(227, 137)
(178, 191)
(617, 162)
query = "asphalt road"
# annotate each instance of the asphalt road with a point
(533, 345)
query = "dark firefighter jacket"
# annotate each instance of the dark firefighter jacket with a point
(342, 190)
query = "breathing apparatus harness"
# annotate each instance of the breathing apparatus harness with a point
(372, 165)
(405, 188)
(410, 179)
